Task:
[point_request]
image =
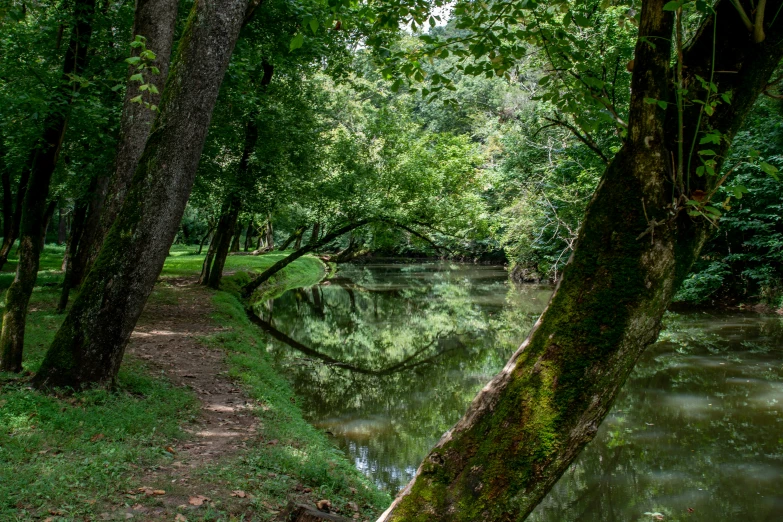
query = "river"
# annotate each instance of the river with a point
(386, 358)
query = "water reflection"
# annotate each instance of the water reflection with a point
(387, 357)
(696, 433)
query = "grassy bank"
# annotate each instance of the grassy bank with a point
(75, 457)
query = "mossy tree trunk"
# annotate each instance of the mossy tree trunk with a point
(155, 20)
(635, 247)
(88, 347)
(35, 211)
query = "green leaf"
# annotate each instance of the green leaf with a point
(137, 99)
(672, 6)
(712, 210)
(769, 169)
(133, 60)
(738, 191)
(153, 89)
(297, 42)
(136, 78)
(314, 25)
(581, 20)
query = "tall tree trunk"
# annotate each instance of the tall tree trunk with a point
(204, 240)
(34, 209)
(13, 233)
(249, 234)
(270, 233)
(298, 242)
(257, 281)
(47, 219)
(236, 237)
(296, 235)
(89, 346)
(8, 203)
(155, 20)
(62, 231)
(636, 245)
(224, 237)
(315, 233)
(77, 229)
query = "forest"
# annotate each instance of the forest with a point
(411, 260)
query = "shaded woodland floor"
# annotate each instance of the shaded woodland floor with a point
(200, 426)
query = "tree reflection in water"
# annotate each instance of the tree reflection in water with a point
(387, 357)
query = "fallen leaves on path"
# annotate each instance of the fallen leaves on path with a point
(238, 493)
(180, 518)
(151, 492)
(198, 500)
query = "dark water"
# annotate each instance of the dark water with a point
(387, 357)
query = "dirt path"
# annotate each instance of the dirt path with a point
(166, 338)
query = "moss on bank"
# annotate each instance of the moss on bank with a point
(74, 457)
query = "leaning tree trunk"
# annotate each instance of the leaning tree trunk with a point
(257, 281)
(34, 208)
(89, 346)
(204, 240)
(156, 21)
(297, 234)
(635, 247)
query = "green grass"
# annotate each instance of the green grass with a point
(76, 455)
(304, 457)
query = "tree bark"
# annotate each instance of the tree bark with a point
(635, 247)
(13, 232)
(270, 233)
(8, 203)
(34, 209)
(223, 240)
(47, 219)
(315, 233)
(77, 229)
(249, 234)
(204, 240)
(155, 20)
(89, 346)
(257, 281)
(296, 235)
(236, 236)
(62, 231)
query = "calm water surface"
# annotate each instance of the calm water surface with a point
(387, 357)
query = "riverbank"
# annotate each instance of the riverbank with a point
(200, 426)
